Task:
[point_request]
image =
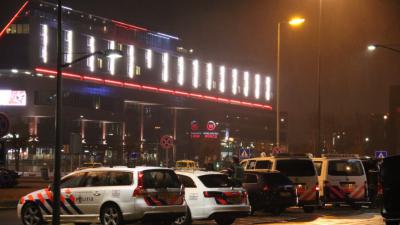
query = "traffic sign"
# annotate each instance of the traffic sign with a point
(166, 142)
(381, 154)
(244, 153)
(4, 124)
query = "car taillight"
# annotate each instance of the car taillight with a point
(316, 187)
(139, 190)
(244, 196)
(265, 188)
(211, 194)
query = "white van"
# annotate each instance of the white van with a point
(300, 170)
(342, 180)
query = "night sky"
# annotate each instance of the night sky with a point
(354, 82)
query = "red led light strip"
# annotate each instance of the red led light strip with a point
(128, 26)
(153, 89)
(12, 19)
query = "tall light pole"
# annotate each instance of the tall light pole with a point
(58, 145)
(293, 22)
(318, 147)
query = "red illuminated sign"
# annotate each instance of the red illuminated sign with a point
(211, 125)
(194, 125)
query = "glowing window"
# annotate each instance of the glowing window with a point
(209, 76)
(44, 36)
(222, 79)
(165, 68)
(181, 70)
(234, 81)
(267, 88)
(257, 86)
(111, 61)
(149, 58)
(246, 83)
(131, 61)
(195, 81)
(90, 62)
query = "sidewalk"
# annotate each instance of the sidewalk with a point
(9, 196)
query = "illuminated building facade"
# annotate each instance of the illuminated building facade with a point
(121, 107)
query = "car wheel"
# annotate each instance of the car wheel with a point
(277, 211)
(31, 215)
(308, 209)
(110, 214)
(184, 220)
(225, 221)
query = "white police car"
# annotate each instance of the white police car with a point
(211, 195)
(110, 196)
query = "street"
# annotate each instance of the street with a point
(328, 216)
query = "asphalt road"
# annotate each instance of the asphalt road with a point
(294, 216)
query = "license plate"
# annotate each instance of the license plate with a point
(234, 200)
(348, 187)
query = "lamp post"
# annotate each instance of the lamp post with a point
(58, 144)
(293, 22)
(373, 47)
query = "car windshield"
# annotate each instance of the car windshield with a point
(345, 168)
(215, 180)
(160, 179)
(296, 167)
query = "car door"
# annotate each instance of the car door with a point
(69, 187)
(251, 185)
(89, 196)
(192, 195)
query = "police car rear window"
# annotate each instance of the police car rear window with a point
(345, 168)
(296, 167)
(215, 181)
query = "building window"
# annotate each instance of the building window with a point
(111, 61)
(195, 81)
(257, 86)
(181, 70)
(18, 29)
(68, 46)
(222, 79)
(44, 40)
(91, 47)
(234, 81)
(209, 76)
(149, 58)
(267, 88)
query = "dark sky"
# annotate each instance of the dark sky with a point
(243, 34)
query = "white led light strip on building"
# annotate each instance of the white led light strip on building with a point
(234, 81)
(257, 86)
(92, 49)
(69, 46)
(181, 70)
(149, 58)
(222, 79)
(45, 40)
(111, 61)
(195, 81)
(165, 68)
(267, 88)
(131, 61)
(209, 76)
(246, 83)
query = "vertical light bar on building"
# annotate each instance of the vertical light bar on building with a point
(246, 83)
(131, 61)
(234, 81)
(222, 79)
(69, 46)
(257, 86)
(195, 81)
(181, 70)
(45, 41)
(267, 88)
(111, 61)
(209, 76)
(149, 58)
(92, 48)
(165, 68)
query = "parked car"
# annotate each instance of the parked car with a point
(342, 180)
(8, 178)
(212, 196)
(300, 170)
(110, 196)
(391, 186)
(269, 191)
(87, 165)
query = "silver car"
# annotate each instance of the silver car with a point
(110, 196)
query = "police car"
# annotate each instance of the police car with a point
(342, 180)
(300, 170)
(110, 196)
(212, 196)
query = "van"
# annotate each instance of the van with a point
(300, 170)
(342, 180)
(391, 186)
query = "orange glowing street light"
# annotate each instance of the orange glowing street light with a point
(296, 21)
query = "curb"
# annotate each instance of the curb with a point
(7, 205)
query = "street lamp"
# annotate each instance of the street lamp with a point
(373, 47)
(58, 145)
(297, 21)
